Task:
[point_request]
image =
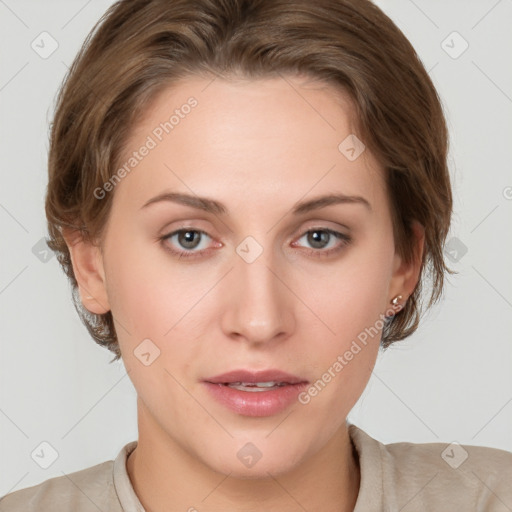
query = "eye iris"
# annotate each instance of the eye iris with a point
(186, 239)
(318, 237)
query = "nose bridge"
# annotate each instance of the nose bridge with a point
(258, 307)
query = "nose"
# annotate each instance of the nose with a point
(259, 305)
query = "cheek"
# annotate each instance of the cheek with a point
(150, 315)
(349, 295)
(136, 298)
(147, 295)
(153, 299)
(350, 304)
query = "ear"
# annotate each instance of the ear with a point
(405, 275)
(87, 261)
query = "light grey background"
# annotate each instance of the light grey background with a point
(451, 381)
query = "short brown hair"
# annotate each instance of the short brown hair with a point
(140, 47)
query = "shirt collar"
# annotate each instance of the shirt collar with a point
(124, 489)
(371, 495)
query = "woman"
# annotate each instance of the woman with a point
(247, 197)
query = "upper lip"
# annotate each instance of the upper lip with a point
(255, 376)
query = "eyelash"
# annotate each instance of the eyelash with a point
(319, 253)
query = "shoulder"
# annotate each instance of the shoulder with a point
(419, 476)
(476, 477)
(90, 489)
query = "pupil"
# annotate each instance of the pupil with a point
(189, 239)
(316, 238)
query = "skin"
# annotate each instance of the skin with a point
(259, 147)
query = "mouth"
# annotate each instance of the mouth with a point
(256, 386)
(256, 393)
(256, 380)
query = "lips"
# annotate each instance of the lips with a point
(255, 393)
(253, 377)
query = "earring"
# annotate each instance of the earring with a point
(396, 307)
(395, 300)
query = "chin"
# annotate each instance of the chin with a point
(248, 462)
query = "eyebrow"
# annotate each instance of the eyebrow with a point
(215, 207)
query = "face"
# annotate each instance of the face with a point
(248, 279)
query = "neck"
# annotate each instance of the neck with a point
(165, 476)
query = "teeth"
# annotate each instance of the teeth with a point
(256, 386)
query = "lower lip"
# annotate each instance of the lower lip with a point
(256, 403)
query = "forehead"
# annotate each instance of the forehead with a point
(263, 141)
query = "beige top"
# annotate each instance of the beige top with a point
(403, 477)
